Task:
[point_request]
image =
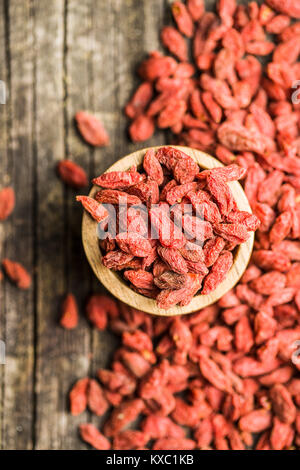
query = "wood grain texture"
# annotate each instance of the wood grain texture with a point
(54, 346)
(5, 180)
(19, 328)
(120, 289)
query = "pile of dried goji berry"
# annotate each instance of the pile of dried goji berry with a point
(211, 379)
(207, 380)
(164, 215)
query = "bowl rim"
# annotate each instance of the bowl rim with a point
(118, 287)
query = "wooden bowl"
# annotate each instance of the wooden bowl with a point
(117, 285)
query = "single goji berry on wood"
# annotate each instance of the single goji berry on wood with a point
(78, 396)
(7, 202)
(17, 273)
(69, 317)
(72, 174)
(91, 129)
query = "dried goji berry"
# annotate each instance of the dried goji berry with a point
(17, 273)
(69, 317)
(96, 210)
(72, 174)
(90, 434)
(91, 129)
(96, 400)
(7, 202)
(78, 396)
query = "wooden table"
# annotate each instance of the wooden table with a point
(57, 57)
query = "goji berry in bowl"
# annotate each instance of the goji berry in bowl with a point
(175, 222)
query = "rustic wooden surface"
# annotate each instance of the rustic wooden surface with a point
(57, 57)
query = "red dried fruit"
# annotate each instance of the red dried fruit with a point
(185, 170)
(17, 273)
(96, 312)
(7, 202)
(157, 427)
(117, 260)
(212, 250)
(289, 7)
(69, 317)
(269, 283)
(72, 174)
(171, 114)
(157, 66)
(234, 233)
(142, 128)
(214, 375)
(96, 400)
(281, 228)
(173, 41)
(256, 421)
(113, 196)
(267, 259)
(118, 179)
(237, 137)
(172, 443)
(173, 259)
(78, 396)
(169, 297)
(175, 195)
(169, 234)
(90, 434)
(120, 382)
(218, 272)
(139, 101)
(91, 129)
(171, 280)
(129, 439)
(282, 403)
(152, 167)
(96, 210)
(134, 244)
(221, 192)
(196, 8)
(140, 278)
(135, 363)
(183, 19)
(123, 415)
(243, 335)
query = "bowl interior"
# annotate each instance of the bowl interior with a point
(117, 285)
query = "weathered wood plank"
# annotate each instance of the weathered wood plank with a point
(63, 356)
(53, 348)
(79, 96)
(4, 181)
(18, 371)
